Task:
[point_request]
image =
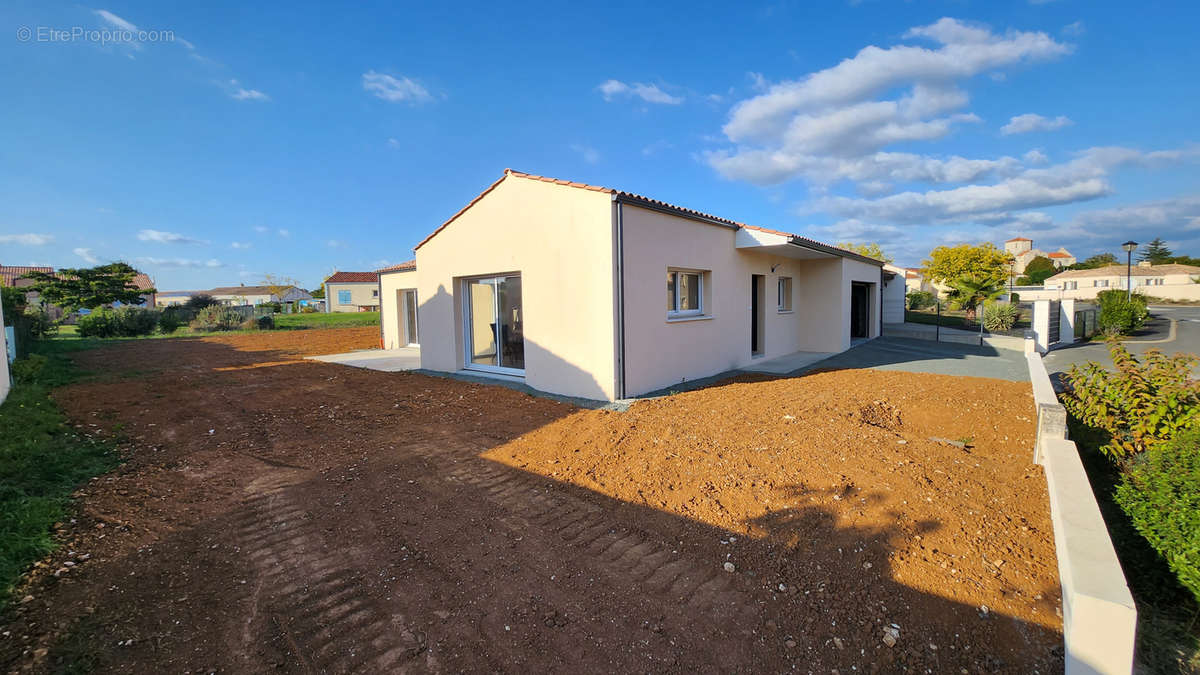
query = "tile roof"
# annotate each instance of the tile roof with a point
(635, 198)
(10, 273)
(353, 278)
(1018, 239)
(406, 266)
(142, 281)
(239, 290)
(1120, 271)
(1056, 254)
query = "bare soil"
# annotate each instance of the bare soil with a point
(277, 514)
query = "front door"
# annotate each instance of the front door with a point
(494, 325)
(757, 312)
(860, 307)
(410, 316)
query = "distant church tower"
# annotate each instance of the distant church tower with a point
(1018, 245)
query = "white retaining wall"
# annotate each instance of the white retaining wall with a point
(1099, 617)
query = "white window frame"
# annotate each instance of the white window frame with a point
(780, 305)
(349, 297)
(677, 313)
(1154, 281)
(1070, 285)
(1100, 283)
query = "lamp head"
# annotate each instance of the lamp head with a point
(1129, 246)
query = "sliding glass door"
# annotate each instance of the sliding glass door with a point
(494, 324)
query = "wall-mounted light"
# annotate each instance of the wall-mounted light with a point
(775, 267)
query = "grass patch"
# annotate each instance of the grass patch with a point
(42, 461)
(331, 320)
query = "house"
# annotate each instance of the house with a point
(1023, 252)
(895, 287)
(172, 298)
(1172, 282)
(352, 292)
(399, 309)
(594, 292)
(142, 281)
(255, 295)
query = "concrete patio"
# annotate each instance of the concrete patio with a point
(788, 363)
(387, 360)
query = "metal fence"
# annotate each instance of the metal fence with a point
(1086, 322)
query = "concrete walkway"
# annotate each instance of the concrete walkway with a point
(387, 360)
(924, 331)
(927, 356)
(789, 363)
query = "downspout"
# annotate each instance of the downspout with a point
(379, 285)
(882, 281)
(619, 388)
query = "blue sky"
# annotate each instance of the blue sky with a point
(296, 139)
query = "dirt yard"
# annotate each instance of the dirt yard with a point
(277, 514)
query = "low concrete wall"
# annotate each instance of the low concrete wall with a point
(1099, 617)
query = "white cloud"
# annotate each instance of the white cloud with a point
(1074, 29)
(394, 143)
(335, 243)
(87, 255)
(795, 128)
(395, 90)
(26, 239)
(179, 262)
(241, 94)
(650, 93)
(284, 233)
(1035, 156)
(242, 245)
(1023, 124)
(588, 153)
(656, 147)
(261, 229)
(161, 237)
(114, 20)
(768, 167)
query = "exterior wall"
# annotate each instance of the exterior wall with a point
(853, 270)
(893, 296)
(4, 384)
(364, 294)
(660, 352)
(391, 318)
(249, 299)
(1174, 287)
(161, 300)
(560, 240)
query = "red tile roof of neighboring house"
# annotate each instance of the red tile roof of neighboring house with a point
(407, 266)
(142, 281)
(1018, 239)
(634, 198)
(10, 273)
(1056, 254)
(353, 278)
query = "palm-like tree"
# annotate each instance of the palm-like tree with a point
(969, 292)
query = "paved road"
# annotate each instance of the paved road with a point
(1171, 330)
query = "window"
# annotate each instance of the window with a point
(1154, 281)
(375, 293)
(1070, 285)
(1100, 283)
(343, 297)
(685, 293)
(784, 294)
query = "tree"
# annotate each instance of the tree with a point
(1184, 260)
(200, 301)
(984, 262)
(278, 285)
(968, 293)
(871, 250)
(1156, 252)
(1039, 270)
(89, 287)
(1098, 260)
(318, 293)
(13, 301)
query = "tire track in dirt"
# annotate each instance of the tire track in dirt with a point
(631, 555)
(314, 602)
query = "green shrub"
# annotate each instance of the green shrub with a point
(1140, 405)
(216, 318)
(920, 299)
(121, 322)
(200, 301)
(26, 370)
(1160, 490)
(173, 318)
(308, 309)
(1000, 316)
(40, 322)
(266, 322)
(1014, 298)
(1118, 315)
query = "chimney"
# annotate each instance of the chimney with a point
(1145, 263)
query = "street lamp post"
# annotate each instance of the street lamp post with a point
(1129, 247)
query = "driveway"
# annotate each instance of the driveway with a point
(1172, 329)
(924, 356)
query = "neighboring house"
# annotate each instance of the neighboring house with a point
(914, 280)
(1173, 282)
(562, 284)
(15, 276)
(352, 292)
(142, 281)
(1023, 253)
(255, 295)
(172, 298)
(398, 312)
